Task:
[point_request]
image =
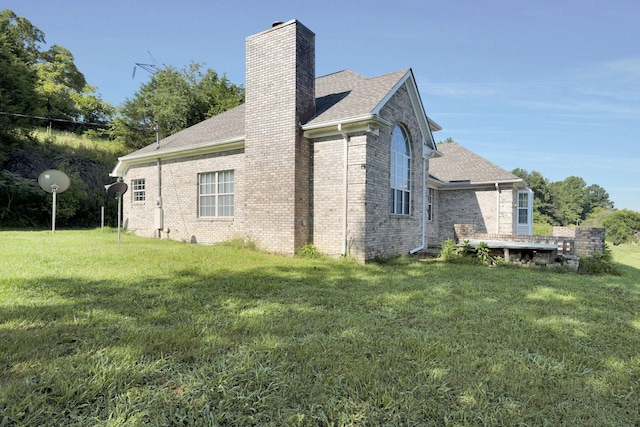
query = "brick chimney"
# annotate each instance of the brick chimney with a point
(280, 96)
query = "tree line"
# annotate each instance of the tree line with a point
(43, 87)
(573, 202)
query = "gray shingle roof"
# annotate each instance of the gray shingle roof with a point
(460, 164)
(340, 95)
(347, 94)
(224, 126)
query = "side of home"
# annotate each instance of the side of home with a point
(465, 188)
(340, 161)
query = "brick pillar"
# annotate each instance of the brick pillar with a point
(280, 96)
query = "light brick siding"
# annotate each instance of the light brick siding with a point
(328, 195)
(289, 190)
(372, 231)
(179, 180)
(473, 206)
(280, 94)
(386, 234)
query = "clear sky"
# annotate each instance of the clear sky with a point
(545, 85)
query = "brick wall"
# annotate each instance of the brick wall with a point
(386, 234)
(280, 94)
(477, 206)
(588, 240)
(328, 195)
(179, 179)
(580, 241)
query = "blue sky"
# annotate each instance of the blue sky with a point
(545, 85)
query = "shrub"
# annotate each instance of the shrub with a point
(599, 263)
(482, 253)
(448, 250)
(309, 251)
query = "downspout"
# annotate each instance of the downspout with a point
(497, 208)
(423, 244)
(346, 189)
(159, 216)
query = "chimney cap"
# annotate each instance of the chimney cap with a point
(276, 23)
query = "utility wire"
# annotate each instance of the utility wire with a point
(27, 116)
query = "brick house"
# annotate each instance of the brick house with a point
(339, 161)
(465, 188)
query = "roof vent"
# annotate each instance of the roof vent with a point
(276, 23)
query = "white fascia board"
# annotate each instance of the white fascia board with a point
(458, 185)
(365, 123)
(125, 162)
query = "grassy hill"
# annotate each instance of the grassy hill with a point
(86, 160)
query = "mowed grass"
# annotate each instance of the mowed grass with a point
(148, 332)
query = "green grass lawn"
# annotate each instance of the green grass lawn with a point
(150, 332)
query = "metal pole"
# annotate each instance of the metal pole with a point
(54, 189)
(119, 201)
(102, 219)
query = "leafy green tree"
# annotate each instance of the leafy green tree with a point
(44, 83)
(174, 100)
(58, 77)
(622, 226)
(597, 197)
(18, 53)
(569, 200)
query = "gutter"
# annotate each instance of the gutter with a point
(125, 162)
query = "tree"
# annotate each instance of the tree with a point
(597, 197)
(569, 199)
(18, 53)
(174, 100)
(622, 226)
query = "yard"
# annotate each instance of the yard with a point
(150, 332)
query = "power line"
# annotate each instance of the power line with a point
(51, 119)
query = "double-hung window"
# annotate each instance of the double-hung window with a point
(138, 190)
(523, 208)
(400, 185)
(215, 194)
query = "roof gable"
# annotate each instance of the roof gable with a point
(347, 97)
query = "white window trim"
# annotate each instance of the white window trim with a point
(216, 194)
(138, 190)
(405, 191)
(528, 225)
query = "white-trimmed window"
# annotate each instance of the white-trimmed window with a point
(215, 194)
(138, 190)
(431, 194)
(400, 186)
(523, 208)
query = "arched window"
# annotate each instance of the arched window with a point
(400, 186)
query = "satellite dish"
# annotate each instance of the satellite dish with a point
(54, 181)
(116, 189)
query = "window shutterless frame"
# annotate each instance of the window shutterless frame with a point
(400, 181)
(216, 194)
